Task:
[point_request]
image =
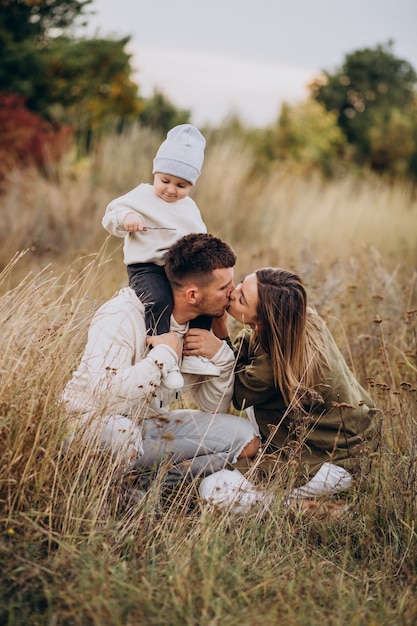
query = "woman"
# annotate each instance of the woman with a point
(313, 415)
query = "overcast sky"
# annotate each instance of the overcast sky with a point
(216, 57)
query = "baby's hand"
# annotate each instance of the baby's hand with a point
(168, 339)
(132, 223)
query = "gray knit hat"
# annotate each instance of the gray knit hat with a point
(181, 154)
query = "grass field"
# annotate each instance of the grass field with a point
(69, 554)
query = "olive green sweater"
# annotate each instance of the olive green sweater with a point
(337, 423)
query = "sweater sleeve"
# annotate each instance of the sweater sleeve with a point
(114, 366)
(111, 375)
(117, 209)
(254, 382)
(214, 393)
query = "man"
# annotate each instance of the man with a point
(115, 399)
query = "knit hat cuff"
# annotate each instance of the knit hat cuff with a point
(166, 165)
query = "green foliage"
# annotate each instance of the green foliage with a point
(305, 138)
(372, 88)
(310, 137)
(20, 67)
(89, 82)
(33, 19)
(83, 82)
(392, 140)
(25, 33)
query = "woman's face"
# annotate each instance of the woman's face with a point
(244, 301)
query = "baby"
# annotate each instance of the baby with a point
(153, 217)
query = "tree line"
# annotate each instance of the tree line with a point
(56, 87)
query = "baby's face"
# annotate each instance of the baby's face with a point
(170, 188)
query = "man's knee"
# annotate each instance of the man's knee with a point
(116, 434)
(251, 449)
(121, 437)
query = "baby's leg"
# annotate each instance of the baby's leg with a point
(152, 287)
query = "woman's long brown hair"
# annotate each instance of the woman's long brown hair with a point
(289, 332)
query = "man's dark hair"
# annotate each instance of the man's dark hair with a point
(195, 256)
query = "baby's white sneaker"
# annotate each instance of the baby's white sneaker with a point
(199, 365)
(173, 379)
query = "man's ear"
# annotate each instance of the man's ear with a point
(191, 295)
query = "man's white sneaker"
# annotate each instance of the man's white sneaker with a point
(173, 379)
(199, 365)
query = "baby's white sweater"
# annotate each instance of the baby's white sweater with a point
(151, 246)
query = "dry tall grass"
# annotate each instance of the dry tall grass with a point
(69, 553)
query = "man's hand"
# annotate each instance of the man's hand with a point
(170, 339)
(199, 342)
(132, 223)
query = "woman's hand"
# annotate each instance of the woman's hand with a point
(199, 342)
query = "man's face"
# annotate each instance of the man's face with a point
(214, 298)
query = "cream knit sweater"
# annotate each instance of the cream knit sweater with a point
(117, 375)
(183, 216)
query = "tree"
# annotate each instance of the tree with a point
(83, 82)
(27, 139)
(89, 82)
(392, 140)
(25, 31)
(364, 92)
(34, 19)
(306, 137)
